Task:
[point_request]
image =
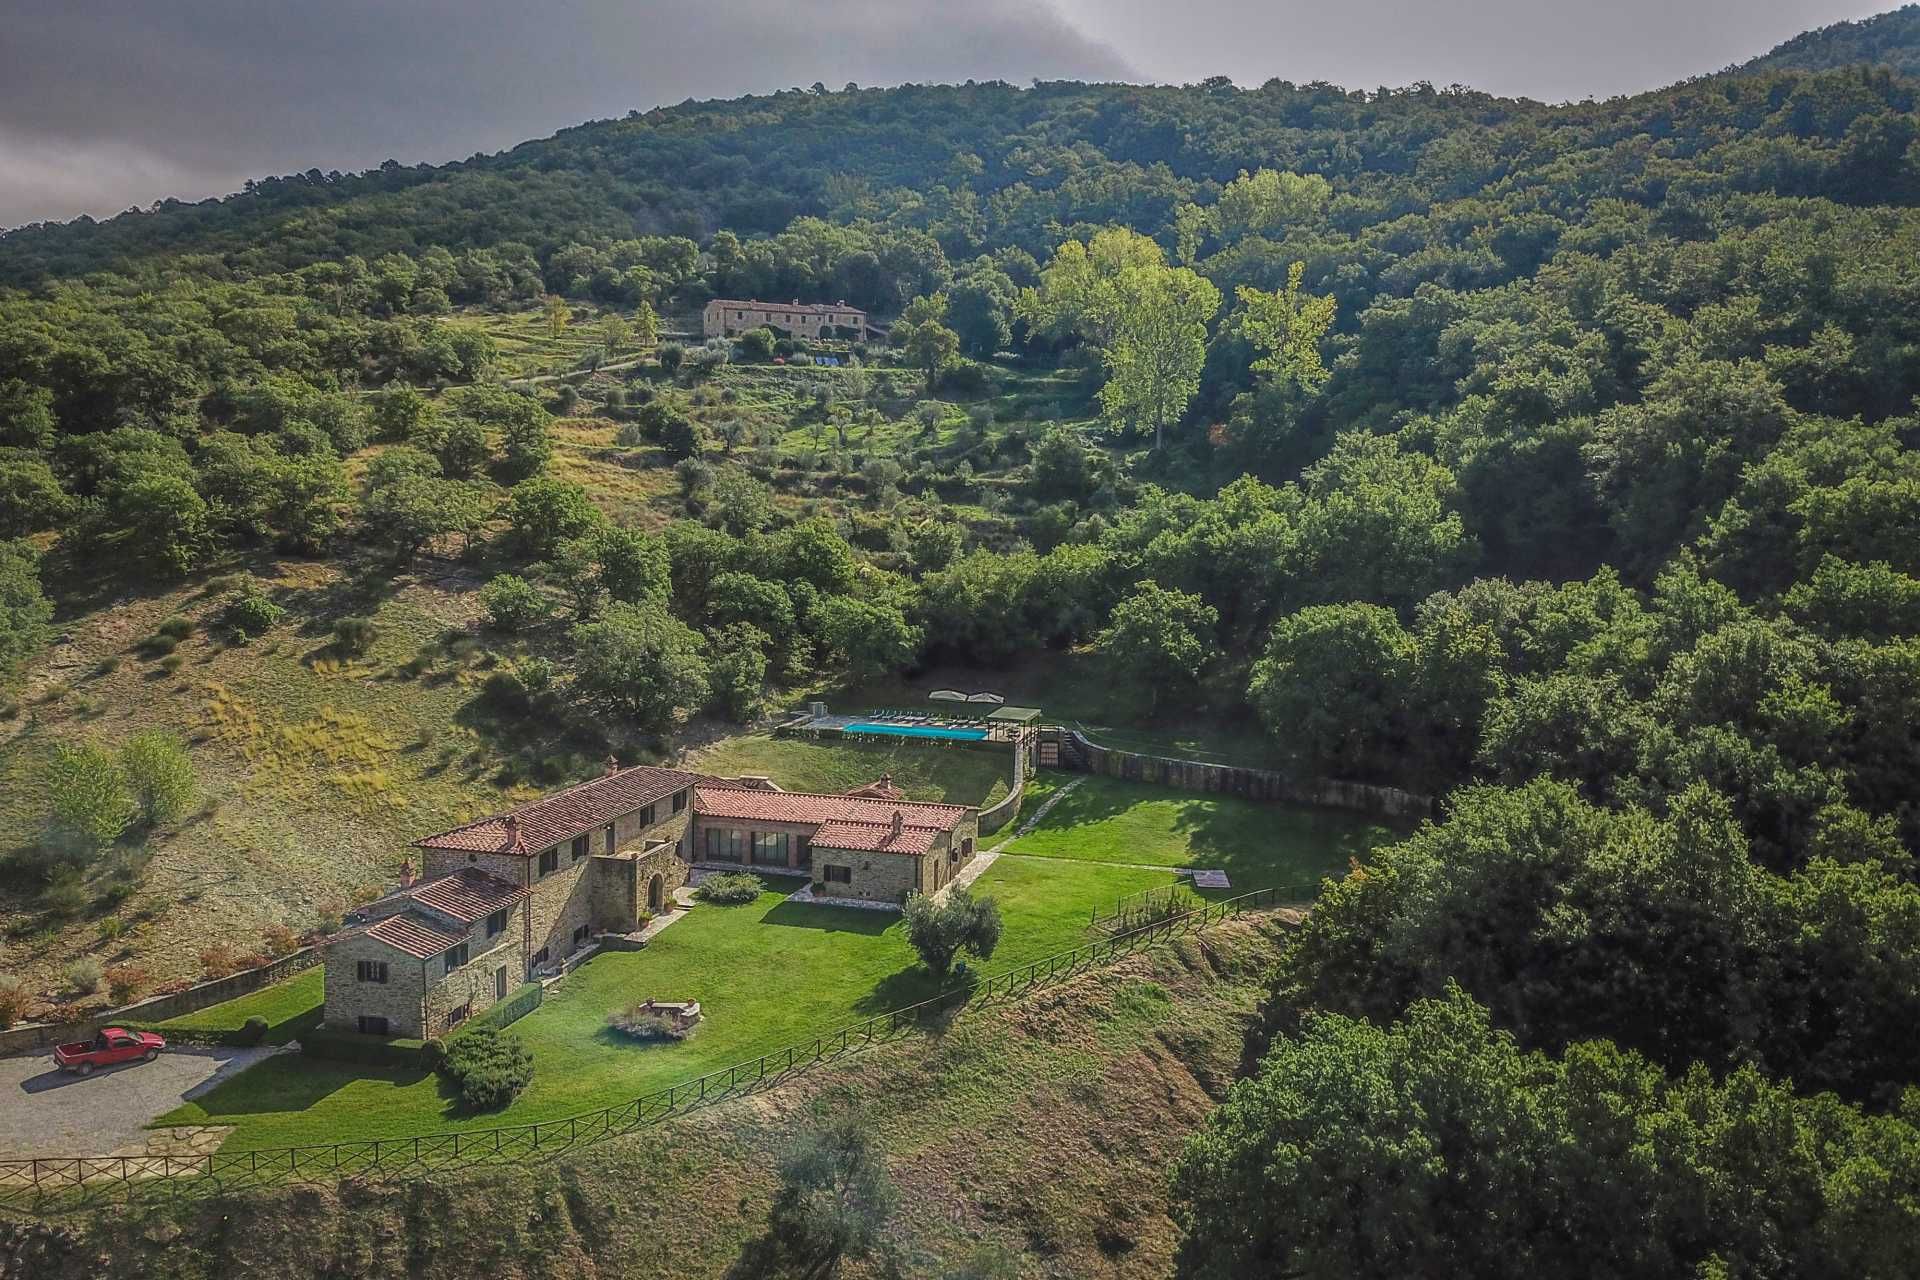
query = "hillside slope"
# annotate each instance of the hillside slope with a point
(1039, 1132)
(1889, 40)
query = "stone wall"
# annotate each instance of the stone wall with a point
(400, 999)
(1253, 784)
(479, 984)
(877, 877)
(32, 1036)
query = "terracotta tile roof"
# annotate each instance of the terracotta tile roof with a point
(747, 305)
(719, 800)
(414, 934)
(541, 824)
(466, 894)
(881, 788)
(873, 837)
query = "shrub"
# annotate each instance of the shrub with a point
(175, 628)
(65, 895)
(433, 1053)
(107, 665)
(670, 355)
(172, 663)
(730, 890)
(160, 774)
(489, 1067)
(85, 974)
(14, 998)
(637, 1022)
(252, 1031)
(512, 603)
(125, 983)
(355, 636)
(250, 613)
(279, 940)
(220, 960)
(111, 927)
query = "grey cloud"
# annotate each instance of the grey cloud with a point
(1553, 50)
(111, 102)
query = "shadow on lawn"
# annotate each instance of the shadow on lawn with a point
(808, 915)
(294, 1082)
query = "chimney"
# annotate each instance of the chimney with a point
(406, 874)
(513, 834)
(898, 824)
(613, 765)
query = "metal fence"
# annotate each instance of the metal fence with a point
(52, 1185)
(1149, 906)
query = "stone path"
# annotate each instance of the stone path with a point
(987, 857)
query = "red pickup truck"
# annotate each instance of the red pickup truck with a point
(112, 1045)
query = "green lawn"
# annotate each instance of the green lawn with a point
(766, 974)
(290, 1008)
(925, 772)
(1257, 845)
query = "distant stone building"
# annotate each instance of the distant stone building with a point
(729, 317)
(507, 898)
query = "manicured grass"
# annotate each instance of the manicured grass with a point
(290, 1008)
(766, 974)
(1257, 845)
(924, 771)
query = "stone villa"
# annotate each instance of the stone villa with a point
(729, 317)
(507, 898)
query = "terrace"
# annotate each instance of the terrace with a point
(1001, 724)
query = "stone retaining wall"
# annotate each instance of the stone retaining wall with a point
(1253, 784)
(33, 1036)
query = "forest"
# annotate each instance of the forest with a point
(1555, 461)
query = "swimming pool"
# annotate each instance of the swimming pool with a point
(917, 731)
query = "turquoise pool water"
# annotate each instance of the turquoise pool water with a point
(917, 731)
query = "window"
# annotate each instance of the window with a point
(679, 801)
(371, 1024)
(953, 854)
(770, 848)
(540, 957)
(579, 848)
(837, 875)
(549, 862)
(500, 983)
(647, 816)
(456, 956)
(611, 838)
(459, 1015)
(496, 922)
(581, 934)
(371, 971)
(726, 846)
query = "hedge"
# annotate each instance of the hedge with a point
(505, 1013)
(365, 1051)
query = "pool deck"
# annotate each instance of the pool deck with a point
(847, 723)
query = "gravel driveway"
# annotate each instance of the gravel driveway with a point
(45, 1112)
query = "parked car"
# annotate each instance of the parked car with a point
(113, 1045)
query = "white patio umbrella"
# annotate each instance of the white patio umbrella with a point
(993, 698)
(946, 695)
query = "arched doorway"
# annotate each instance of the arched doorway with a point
(656, 894)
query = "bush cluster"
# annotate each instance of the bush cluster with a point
(488, 1067)
(731, 890)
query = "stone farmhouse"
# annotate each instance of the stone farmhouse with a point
(510, 898)
(728, 317)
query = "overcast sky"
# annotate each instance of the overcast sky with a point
(111, 103)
